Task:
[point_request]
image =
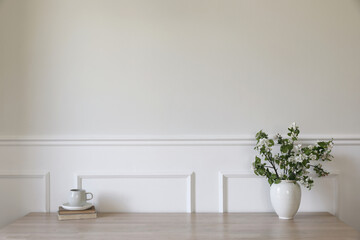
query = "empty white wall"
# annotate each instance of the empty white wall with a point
(187, 67)
(203, 71)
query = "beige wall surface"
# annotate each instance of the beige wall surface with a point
(164, 67)
(150, 104)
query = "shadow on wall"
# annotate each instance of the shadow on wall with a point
(14, 68)
(349, 191)
(358, 4)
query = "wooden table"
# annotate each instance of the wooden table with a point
(182, 226)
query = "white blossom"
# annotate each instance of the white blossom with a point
(298, 147)
(298, 158)
(292, 159)
(312, 157)
(293, 126)
(264, 142)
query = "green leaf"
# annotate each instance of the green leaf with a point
(257, 160)
(261, 135)
(292, 176)
(283, 149)
(322, 144)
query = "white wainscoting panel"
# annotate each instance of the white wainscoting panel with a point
(141, 192)
(23, 192)
(246, 192)
(152, 174)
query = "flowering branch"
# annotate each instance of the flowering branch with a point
(293, 162)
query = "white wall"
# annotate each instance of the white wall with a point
(187, 67)
(80, 76)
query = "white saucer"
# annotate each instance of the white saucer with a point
(83, 207)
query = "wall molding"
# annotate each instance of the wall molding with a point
(224, 176)
(208, 140)
(188, 176)
(41, 175)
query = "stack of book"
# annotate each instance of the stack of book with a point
(64, 214)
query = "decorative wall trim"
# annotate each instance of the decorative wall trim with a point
(189, 176)
(223, 176)
(41, 175)
(209, 140)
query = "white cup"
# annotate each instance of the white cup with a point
(78, 197)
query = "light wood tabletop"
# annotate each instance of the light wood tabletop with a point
(173, 226)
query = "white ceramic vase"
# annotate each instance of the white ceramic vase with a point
(285, 198)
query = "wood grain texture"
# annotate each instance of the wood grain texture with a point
(173, 226)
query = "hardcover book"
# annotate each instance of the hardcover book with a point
(63, 211)
(77, 216)
(64, 214)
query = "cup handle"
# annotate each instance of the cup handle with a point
(91, 196)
